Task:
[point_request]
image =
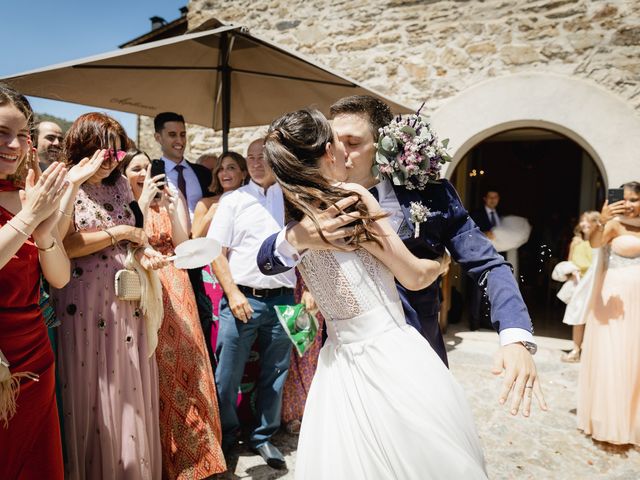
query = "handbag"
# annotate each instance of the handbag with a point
(127, 285)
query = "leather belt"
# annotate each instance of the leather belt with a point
(265, 292)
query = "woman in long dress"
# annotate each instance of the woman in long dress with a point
(580, 255)
(382, 404)
(609, 381)
(30, 446)
(105, 344)
(189, 418)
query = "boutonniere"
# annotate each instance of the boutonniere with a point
(419, 214)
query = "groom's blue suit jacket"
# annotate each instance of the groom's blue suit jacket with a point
(448, 225)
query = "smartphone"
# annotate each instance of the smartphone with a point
(615, 195)
(157, 168)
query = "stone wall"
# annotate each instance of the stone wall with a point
(413, 50)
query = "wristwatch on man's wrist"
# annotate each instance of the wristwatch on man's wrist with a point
(531, 347)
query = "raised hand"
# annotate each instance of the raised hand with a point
(151, 188)
(610, 211)
(86, 168)
(41, 198)
(170, 201)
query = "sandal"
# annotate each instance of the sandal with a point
(572, 357)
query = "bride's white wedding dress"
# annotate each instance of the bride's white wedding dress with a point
(382, 405)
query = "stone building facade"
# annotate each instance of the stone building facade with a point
(571, 66)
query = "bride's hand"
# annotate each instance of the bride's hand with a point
(445, 263)
(334, 225)
(309, 302)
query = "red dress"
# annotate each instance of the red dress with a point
(30, 448)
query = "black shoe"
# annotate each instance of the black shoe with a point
(271, 455)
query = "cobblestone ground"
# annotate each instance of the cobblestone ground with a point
(544, 446)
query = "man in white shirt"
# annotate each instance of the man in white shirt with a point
(244, 218)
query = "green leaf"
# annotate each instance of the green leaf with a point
(388, 144)
(381, 159)
(445, 142)
(397, 178)
(410, 130)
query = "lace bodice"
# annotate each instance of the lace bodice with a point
(348, 284)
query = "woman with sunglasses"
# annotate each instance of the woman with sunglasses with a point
(106, 361)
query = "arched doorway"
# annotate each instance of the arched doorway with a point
(603, 126)
(547, 178)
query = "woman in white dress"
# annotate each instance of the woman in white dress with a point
(382, 405)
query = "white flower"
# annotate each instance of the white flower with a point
(419, 214)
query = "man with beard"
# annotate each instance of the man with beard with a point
(48, 140)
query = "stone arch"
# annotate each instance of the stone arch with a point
(601, 123)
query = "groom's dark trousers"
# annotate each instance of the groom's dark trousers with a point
(448, 225)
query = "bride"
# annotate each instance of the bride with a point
(382, 405)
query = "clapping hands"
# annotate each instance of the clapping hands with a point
(40, 198)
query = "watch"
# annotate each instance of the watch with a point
(530, 346)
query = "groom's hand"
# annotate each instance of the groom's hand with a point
(333, 224)
(520, 378)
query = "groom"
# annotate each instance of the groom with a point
(357, 120)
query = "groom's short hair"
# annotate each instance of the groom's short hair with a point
(377, 112)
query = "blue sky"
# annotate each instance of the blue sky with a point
(48, 32)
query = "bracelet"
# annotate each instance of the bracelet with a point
(68, 215)
(19, 230)
(52, 247)
(113, 239)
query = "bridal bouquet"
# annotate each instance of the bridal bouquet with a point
(409, 152)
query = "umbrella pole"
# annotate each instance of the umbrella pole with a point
(226, 90)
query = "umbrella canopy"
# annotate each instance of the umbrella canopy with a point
(219, 78)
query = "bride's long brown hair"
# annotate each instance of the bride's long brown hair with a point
(293, 147)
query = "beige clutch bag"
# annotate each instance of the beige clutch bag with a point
(128, 285)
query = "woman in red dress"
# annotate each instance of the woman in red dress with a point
(30, 446)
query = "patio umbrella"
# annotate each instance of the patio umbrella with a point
(220, 78)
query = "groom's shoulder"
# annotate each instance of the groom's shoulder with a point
(441, 192)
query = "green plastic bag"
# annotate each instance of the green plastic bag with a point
(301, 326)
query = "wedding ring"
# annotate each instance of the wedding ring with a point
(529, 386)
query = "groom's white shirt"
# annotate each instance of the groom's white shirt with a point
(388, 200)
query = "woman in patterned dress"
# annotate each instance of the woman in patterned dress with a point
(105, 348)
(189, 418)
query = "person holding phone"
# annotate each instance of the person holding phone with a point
(189, 418)
(609, 381)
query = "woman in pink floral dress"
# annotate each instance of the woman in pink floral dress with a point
(108, 372)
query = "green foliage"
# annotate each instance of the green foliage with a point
(45, 117)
